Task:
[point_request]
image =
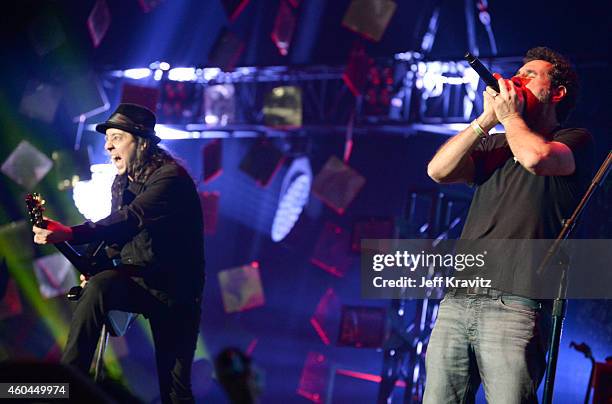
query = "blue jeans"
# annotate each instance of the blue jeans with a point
(500, 341)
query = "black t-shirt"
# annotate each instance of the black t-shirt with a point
(512, 203)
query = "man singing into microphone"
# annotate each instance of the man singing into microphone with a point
(527, 181)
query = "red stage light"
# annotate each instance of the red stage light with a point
(209, 202)
(262, 161)
(233, 8)
(315, 374)
(362, 327)
(325, 316)
(372, 228)
(148, 5)
(145, 96)
(331, 251)
(284, 26)
(212, 155)
(10, 304)
(98, 22)
(355, 75)
(226, 51)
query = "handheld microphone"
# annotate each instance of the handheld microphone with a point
(482, 71)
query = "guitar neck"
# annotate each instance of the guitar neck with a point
(79, 262)
(84, 265)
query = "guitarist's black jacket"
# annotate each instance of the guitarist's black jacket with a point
(158, 233)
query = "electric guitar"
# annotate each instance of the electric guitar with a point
(87, 265)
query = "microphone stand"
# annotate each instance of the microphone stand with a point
(559, 304)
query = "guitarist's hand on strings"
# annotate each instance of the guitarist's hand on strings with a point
(55, 232)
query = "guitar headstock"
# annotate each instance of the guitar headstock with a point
(36, 207)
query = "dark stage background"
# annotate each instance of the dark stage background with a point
(291, 329)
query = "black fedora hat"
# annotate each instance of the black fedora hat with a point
(132, 118)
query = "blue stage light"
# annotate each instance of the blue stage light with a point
(294, 195)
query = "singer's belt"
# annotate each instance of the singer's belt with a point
(496, 294)
(477, 291)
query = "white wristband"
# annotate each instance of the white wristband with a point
(478, 129)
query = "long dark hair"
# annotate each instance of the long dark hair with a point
(148, 158)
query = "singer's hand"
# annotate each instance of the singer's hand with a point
(509, 103)
(488, 119)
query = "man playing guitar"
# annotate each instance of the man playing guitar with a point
(155, 231)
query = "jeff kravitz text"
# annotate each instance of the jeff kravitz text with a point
(435, 282)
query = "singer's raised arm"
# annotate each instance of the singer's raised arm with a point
(453, 163)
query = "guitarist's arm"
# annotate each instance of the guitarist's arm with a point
(154, 204)
(55, 232)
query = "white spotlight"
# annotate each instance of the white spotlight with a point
(294, 195)
(93, 198)
(137, 74)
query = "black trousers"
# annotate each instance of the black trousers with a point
(175, 330)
